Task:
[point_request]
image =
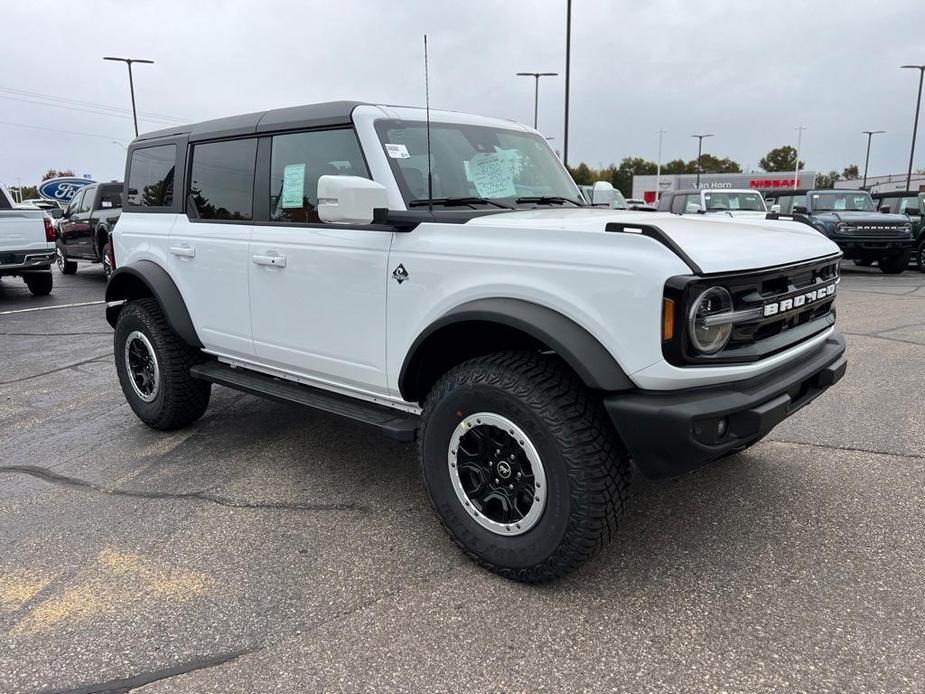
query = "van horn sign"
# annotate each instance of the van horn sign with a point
(62, 189)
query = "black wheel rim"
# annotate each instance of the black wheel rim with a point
(141, 366)
(497, 474)
(107, 266)
(59, 259)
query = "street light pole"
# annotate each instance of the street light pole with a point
(658, 168)
(568, 59)
(536, 91)
(870, 134)
(699, 154)
(796, 169)
(131, 83)
(915, 125)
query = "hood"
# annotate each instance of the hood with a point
(716, 243)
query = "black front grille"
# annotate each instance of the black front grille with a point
(788, 304)
(874, 229)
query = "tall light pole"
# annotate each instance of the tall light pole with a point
(870, 134)
(658, 168)
(536, 91)
(699, 153)
(568, 60)
(796, 169)
(131, 84)
(915, 125)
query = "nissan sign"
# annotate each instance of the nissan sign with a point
(62, 189)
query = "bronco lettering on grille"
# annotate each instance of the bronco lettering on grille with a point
(794, 302)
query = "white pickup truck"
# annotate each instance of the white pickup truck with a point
(450, 285)
(27, 244)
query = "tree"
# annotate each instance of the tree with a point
(582, 174)
(51, 173)
(850, 172)
(782, 158)
(679, 166)
(631, 166)
(826, 181)
(25, 192)
(711, 164)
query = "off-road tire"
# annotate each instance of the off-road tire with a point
(586, 465)
(67, 267)
(920, 254)
(39, 283)
(895, 264)
(181, 399)
(863, 262)
(104, 260)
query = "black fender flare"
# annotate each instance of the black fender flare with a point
(573, 343)
(146, 278)
(101, 228)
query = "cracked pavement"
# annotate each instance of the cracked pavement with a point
(269, 548)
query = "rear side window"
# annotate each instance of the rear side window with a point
(151, 175)
(110, 197)
(298, 160)
(222, 180)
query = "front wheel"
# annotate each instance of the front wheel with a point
(920, 255)
(65, 266)
(153, 365)
(522, 465)
(895, 264)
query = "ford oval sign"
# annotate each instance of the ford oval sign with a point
(62, 189)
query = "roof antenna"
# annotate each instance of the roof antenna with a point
(430, 178)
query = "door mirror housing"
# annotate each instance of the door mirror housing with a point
(350, 199)
(56, 212)
(693, 208)
(885, 209)
(912, 212)
(775, 208)
(800, 209)
(602, 193)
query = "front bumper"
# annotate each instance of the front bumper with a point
(668, 433)
(859, 247)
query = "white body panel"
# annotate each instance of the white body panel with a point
(22, 227)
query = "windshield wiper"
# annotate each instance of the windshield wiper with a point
(449, 202)
(550, 199)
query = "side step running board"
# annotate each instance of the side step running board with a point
(401, 426)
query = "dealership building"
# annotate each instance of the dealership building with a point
(885, 184)
(644, 187)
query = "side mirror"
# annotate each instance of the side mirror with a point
(692, 208)
(885, 209)
(350, 199)
(602, 193)
(56, 212)
(912, 212)
(775, 208)
(800, 209)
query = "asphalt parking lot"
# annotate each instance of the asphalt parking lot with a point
(269, 548)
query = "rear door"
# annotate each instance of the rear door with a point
(317, 291)
(208, 248)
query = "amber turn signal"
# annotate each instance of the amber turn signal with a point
(667, 319)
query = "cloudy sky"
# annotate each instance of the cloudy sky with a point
(750, 72)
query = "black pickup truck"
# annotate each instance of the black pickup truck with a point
(850, 219)
(84, 229)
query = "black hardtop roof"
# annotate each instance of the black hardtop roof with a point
(778, 192)
(330, 113)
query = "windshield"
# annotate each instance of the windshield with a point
(735, 201)
(475, 164)
(837, 201)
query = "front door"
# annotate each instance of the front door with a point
(75, 227)
(317, 291)
(208, 247)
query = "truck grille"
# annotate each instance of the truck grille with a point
(863, 229)
(781, 307)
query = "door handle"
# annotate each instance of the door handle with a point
(183, 251)
(270, 260)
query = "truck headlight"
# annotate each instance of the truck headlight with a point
(841, 228)
(706, 338)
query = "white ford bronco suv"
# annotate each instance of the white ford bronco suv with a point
(458, 291)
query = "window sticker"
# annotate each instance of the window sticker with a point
(293, 186)
(397, 151)
(492, 176)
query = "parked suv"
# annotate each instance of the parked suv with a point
(851, 220)
(912, 204)
(743, 203)
(85, 227)
(449, 284)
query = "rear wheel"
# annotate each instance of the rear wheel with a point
(67, 267)
(153, 365)
(39, 283)
(522, 465)
(895, 264)
(106, 260)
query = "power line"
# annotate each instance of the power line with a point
(82, 109)
(88, 104)
(55, 130)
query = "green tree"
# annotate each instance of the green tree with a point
(850, 172)
(25, 193)
(51, 173)
(711, 164)
(679, 166)
(782, 158)
(826, 181)
(622, 178)
(582, 174)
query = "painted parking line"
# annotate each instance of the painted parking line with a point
(48, 308)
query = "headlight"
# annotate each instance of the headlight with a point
(710, 339)
(841, 228)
